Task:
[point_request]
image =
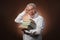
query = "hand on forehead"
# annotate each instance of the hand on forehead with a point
(29, 7)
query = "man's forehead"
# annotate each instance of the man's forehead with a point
(30, 7)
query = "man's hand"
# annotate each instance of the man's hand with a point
(22, 28)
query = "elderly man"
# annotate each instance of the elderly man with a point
(30, 12)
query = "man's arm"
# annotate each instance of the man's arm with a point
(40, 26)
(19, 17)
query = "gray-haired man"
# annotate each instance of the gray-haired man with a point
(30, 12)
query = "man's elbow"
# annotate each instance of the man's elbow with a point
(38, 32)
(16, 21)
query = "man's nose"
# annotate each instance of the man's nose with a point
(31, 11)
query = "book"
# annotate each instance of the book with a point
(28, 24)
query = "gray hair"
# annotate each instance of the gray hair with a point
(31, 4)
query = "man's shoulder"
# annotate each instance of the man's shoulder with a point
(40, 17)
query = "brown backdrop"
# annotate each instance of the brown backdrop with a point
(11, 8)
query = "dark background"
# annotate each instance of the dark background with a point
(9, 9)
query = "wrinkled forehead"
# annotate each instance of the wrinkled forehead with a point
(30, 7)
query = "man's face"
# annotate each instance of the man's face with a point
(31, 10)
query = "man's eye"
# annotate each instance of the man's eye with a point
(28, 10)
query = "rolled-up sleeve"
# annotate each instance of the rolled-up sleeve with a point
(19, 17)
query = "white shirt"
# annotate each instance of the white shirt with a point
(38, 20)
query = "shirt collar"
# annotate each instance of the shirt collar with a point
(36, 15)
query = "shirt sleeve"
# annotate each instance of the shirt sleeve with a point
(39, 27)
(19, 17)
